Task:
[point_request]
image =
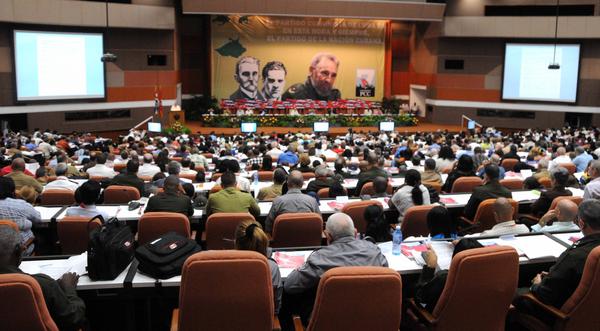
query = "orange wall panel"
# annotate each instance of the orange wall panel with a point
(460, 81)
(468, 94)
(138, 93)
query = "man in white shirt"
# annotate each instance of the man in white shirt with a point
(592, 189)
(100, 169)
(61, 181)
(503, 213)
(564, 216)
(275, 151)
(148, 169)
(561, 157)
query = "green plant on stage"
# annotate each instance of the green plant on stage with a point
(307, 120)
(177, 128)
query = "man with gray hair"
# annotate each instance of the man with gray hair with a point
(592, 189)
(148, 169)
(319, 83)
(563, 216)
(323, 179)
(61, 181)
(343, 249)
(246, 75)
(494, 159)
(65, 307)
(561, 156)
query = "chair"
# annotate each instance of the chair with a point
(154, 224)
(545, 182)
(512, 183)
(98, 178)
(356, 210)
(466, 184)
(415, 221)
(225, 290)
(357, 298)
(368, 189)
(120, 194)
(580, 311)
(265, 176)
(324, 193)
(117, 167)
(24, 293)
(308, 175)
(74, 233)
(191, 177)
(215, 189)
(436, 186)
(482, 279)
(509, 164)
(220, 229)
(555, 201)
(484, 216)
(216, 176)
(297, 230)
(57, 197)
(571, 167)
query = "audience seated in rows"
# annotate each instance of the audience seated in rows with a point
(18, 211)
(491, 189)
(505, 224)
(230, 199)
(559, 178)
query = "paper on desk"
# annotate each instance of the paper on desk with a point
(443, 250)
(448, 201)
(32, 167)
(46, 213)
(291, 260)
(56, 268)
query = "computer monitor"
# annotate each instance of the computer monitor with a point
(386, 126)
(154, 127)
(248, 127)
(471, 125)
(321, 126)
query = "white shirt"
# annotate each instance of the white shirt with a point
(402, 199)
(87, 211)
(505, 228)
(556, 226)
(148, 170)
(62, 182)
(101, 170)
(275, 152)
(558, 160)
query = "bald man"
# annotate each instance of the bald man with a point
(563, 217)
(20, 178)
(505, 225)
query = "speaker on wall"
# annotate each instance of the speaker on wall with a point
(157, 60)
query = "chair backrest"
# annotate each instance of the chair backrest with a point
(485, 213)
(191, 177)
(358, 298)
(154, 224)
(10, 223)
(117, 167)
(571, 167)
(415, 221)
(555, 201)
(324, 193)
(57, 197)
(582, 307)
(436, 186)
(509, 164)
(368, 189)
(120, 194)
(356, 210)
(545, 182)
(216, 176)
(308, 175)
(466, 184)
(24, 293)
(220, 229)
(512, 183)
(297, 230)
(98, 178)
(475, 276)
(73, 233)
(265, 176)
(226, 290)
(216, 189)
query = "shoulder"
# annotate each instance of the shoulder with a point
(295, 89)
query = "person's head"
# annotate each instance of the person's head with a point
(561, 151)
(157, 176)
(594, 169)
(171, 184)
(503, 210)
(124, 155)
(439, 221)
(267, 163)
(566, 211)
(430, 164)
(10, 246)
(373, 213)
(189, 190)
(186, 163)
(133, 166)
(589, 216)
(559, 177)
(174, 168)
(464, 244)
(61, 169)
(321, 171)
(18, 164)
(339, 164)
(304, 160)
(279, 176)
(323, 72)
(228, 179)
(273, 74)
(579, 150)
(446, 153)
(100, 158)
(295, 180)
(246, 73)
(380, 185)
(492, 172)
(339, 225)
(148, 158)
(249, 236)
(413, 178)
(495, 159)
(7, 188)
(41, 172)
(88, 193)
(27, 193)
(465, 163)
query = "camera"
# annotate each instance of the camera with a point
(108, 57)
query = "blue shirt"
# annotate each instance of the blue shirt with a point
(581, 161)
(482, 171)
(287, 157)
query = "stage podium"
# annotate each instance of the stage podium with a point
(176, 115)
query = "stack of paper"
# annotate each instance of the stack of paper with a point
(56, 268)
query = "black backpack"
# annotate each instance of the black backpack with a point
(164, 257)
(110, 250)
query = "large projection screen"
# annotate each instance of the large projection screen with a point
(527, 77)
(58, 65)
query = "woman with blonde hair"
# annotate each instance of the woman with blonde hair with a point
(249, 236)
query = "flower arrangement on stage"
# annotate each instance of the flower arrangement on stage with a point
(299, 121)
(177, 128)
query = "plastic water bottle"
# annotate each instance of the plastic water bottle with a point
(396, 241)
(255, 179)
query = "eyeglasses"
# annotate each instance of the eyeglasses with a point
(326, 73)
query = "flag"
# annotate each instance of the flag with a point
(158, 108)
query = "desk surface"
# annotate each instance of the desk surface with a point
(122, 212)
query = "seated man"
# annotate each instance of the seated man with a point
(505, 225)
(372, 170)
(558, 284)
(592, 189)
(86, 196)
(18, 211)
(490, 189)
(172, 199)
(343, 249)
(564, 218)
(185, 167)
(289, 158)
(65, 307)
(231, 200)
(559, 179)
(61, 181)
(20, 178)
(294, 201)
(100, 169)
(380, 185)
(323, 179)
(130, 178)
(148, 169)
(430, 175)
(275, 190)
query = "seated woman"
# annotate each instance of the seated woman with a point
(412, 193)
(464, 168)
(558, 177)
(431, 283)
(378, 229)
(439, 223)
(86, 196)
(267, 163)
(304, 163)
(249, 236)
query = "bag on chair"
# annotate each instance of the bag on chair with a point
(110, 250)
(164, 257)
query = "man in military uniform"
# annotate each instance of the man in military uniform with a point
(273, 75)
(319, 84)
(246, 74)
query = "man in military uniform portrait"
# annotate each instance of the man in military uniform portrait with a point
(319, 84)
(273, 74)
(246, 74)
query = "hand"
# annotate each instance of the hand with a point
(68, 280)
(551, 214)
(430, 257)
(538, 278)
